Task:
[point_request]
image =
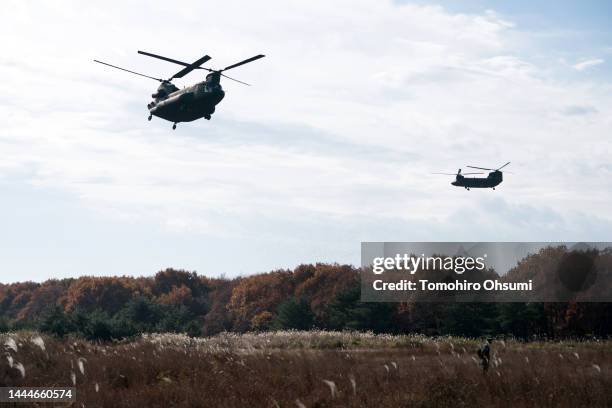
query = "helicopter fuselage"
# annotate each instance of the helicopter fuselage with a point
(192, 102)
(187, 104)
(491, 181)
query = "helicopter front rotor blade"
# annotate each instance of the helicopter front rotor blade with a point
(190, 67)
(480, 168)
(246, 61)
(148, 54)
(446, 174)
(127, 70)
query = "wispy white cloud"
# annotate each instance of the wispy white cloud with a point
(577, 110)
(586, 64)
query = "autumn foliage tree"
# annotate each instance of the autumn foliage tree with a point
(324, 296)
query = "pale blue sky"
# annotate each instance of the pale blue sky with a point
(353, 107)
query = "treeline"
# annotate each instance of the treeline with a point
(320, 296)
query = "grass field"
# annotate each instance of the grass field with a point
(311, 369)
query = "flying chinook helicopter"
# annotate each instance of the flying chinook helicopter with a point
(494, 178)
(192, 102)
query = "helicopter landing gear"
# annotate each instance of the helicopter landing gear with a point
(174, 126)
(493, 188)
(207, 117)
(149, 118)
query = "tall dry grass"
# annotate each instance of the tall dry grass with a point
(312, 369)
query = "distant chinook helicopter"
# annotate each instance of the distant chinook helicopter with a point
(192, 102)
(494, 178)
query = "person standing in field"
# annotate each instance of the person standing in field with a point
(484, 353)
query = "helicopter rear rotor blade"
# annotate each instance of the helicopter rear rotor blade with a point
(503, 166)
(234, 79)
(220, 72)
(127, 70)
(246, 61)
